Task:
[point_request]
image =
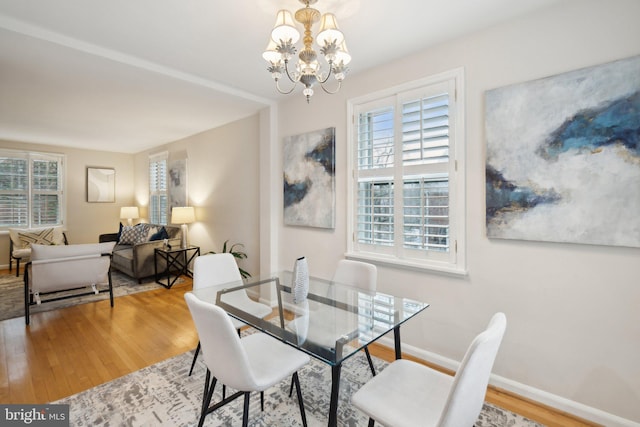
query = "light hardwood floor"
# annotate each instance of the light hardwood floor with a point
(70, 350)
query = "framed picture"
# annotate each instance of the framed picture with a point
(563, 160)
(101, 185)
(309, 179)
(177, 183)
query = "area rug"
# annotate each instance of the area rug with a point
(164, 394)
(12, 294)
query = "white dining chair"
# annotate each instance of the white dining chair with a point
(358, 274)
(362, 275)
(253, 363)
(217, 269)
(407, 394)
(324, 330)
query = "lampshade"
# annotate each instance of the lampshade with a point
(183, 215)
(285, 29)
(343, 54)
(129, 212)
(270, 54)
(329, 32)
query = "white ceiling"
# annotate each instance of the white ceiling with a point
(128, 75)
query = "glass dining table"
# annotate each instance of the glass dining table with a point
(333, 323)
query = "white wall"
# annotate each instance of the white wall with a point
(223, 186)
(573, 310)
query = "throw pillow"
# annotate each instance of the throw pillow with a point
(144, 230)
(120, 232)
(160, 235)
(151, 230)
(43, 236)
(132, 235)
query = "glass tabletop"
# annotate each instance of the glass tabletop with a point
(331, 324)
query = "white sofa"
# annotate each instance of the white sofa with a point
(55, 268)
(21, 240)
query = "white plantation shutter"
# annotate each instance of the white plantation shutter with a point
(158, 189)
(31, 193)
(405, 176)
(375, 133)
(46, 191)
(426, 214)
(14, 191)
(425, 130)
(375, 212)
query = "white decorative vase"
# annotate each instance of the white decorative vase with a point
(300, 285)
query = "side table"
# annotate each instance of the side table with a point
(176, 261)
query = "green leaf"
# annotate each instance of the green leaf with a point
(239, 254)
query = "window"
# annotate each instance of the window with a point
(31, 189)
(158, 192)
(407, 187)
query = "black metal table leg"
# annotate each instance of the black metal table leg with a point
(396, 342)
(335, 388)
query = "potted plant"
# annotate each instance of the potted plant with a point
(238, 254)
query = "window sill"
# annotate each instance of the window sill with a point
(431, 267)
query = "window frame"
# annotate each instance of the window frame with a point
(30, 157)
(454, 262)
(155, 158)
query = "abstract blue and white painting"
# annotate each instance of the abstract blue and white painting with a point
(563, 157)
(309, 179)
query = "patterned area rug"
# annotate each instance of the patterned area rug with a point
(164, 394)
(12, 294)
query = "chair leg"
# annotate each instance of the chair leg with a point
(27, 297)
(369, 359)
(373, 369)
(206, 397)
(245, 411)
(300, 401)
(195, 356)
(371, 422)
(262, 401)
(110, 287)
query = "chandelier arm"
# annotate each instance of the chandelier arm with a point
(286, 69)
(285, 92)
(329, 91)
(328, 75)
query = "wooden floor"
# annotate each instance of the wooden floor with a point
(70, 350)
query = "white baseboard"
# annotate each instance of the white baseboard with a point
(560, 403)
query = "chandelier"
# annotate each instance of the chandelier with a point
(308, 70)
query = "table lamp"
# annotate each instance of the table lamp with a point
(129, 213)
(183, 215)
